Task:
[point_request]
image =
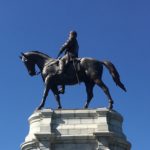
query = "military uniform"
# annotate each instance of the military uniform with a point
(70, 48)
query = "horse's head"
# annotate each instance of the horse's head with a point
(29, 63)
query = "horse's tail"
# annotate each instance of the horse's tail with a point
(114, 73)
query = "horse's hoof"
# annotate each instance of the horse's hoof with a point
(59, 108)
(38, 108)
(111, 102)
(110, 107)
(85, 107)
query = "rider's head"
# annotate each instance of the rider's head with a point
(73, 34)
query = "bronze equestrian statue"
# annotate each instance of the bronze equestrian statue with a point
(89, 71)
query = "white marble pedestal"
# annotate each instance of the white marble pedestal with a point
(91, 129)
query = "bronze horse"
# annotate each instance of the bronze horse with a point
(90, 72)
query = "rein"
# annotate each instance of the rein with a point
(48, 64)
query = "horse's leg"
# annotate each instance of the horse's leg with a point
(89, 91)
(46, 90)
(101, 84)
(57, 97)
(45, 94)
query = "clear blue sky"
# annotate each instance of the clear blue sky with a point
(116, 30)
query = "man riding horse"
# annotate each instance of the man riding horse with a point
(70, 48)
(54, 75)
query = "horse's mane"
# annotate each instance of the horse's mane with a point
(40, 53)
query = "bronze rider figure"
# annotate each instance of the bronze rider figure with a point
(70, 48)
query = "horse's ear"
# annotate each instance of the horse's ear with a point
(23, 55)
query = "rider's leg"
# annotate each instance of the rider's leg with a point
(62, 63)
(61, 67)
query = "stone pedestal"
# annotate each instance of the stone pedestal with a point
(91, 129)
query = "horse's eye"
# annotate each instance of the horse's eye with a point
(24, 59)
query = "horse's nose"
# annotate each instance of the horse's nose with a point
(31, 73)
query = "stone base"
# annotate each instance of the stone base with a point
(95, 129)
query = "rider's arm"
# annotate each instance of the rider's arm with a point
(64, 47)
(60, 52)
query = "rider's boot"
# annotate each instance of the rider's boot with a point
(60, 71)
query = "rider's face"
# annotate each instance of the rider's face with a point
(70, 35)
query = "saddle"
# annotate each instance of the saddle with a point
(75, 63)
